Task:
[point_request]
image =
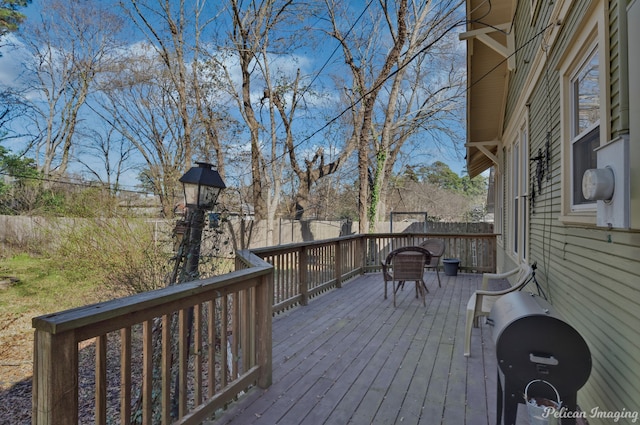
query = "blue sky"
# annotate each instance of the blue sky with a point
(10, 67)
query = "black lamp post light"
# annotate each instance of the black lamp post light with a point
(202, 186)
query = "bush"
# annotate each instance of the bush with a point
(125, 254)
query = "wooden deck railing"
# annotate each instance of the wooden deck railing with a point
(187, 372)
(230, 351)
(303, 270)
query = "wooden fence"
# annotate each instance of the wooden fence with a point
(41, 233)
(204, 342)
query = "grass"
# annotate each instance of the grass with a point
(44, 287)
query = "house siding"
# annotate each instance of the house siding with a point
(591, 274)
(618, 65)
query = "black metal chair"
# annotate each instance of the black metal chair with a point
(406, 264)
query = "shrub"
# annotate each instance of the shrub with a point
(126, 255)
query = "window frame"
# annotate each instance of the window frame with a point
(518, 193)
(590, 40)
(585, 135)
(499, 217)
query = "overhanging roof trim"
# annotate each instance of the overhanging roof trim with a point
(490, 43)
(482, 155)
(483, 35)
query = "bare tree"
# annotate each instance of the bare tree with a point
(162, 100)
(426, 96)
(12, 106)
(167, 28)
(137, 101)
(391, 101)
(219, 81)
(308, 171)
(367, 84)
(260, 34)
(249, 35)
(111, 156)
(71, 46)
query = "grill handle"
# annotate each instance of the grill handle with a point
(538, 358)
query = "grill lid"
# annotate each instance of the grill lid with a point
(533, 342)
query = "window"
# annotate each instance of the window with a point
(499, 202)
(519, 183)
(584, 110)
(585, 127)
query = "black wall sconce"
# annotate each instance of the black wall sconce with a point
(543, 168)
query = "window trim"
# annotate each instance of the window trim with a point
(576, 137)
(499, 213)
(591, 39)
(518, 190)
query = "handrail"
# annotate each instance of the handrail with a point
(305, 269)
(231, 324)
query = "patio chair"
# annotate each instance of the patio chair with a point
(436, 248)
(483, 299)
(403, 264)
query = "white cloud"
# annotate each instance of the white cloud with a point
(13, 56)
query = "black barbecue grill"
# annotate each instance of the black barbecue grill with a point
(533, 342)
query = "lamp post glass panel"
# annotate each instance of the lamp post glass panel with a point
(202, 186)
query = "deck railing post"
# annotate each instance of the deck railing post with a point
(338, 264)
(264, 301)
(55, 378)
(363, 253)
(303, 269)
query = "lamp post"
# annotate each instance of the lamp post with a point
(202, 186)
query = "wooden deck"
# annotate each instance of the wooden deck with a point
(350, 357)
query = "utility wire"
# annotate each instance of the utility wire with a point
(400, 68)
(119, 187)
(371, 90)
(363, 96)
(86, 184)
(326, 62)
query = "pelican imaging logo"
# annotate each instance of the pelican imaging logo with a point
(596, 412)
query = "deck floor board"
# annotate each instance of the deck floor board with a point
(350, 357)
